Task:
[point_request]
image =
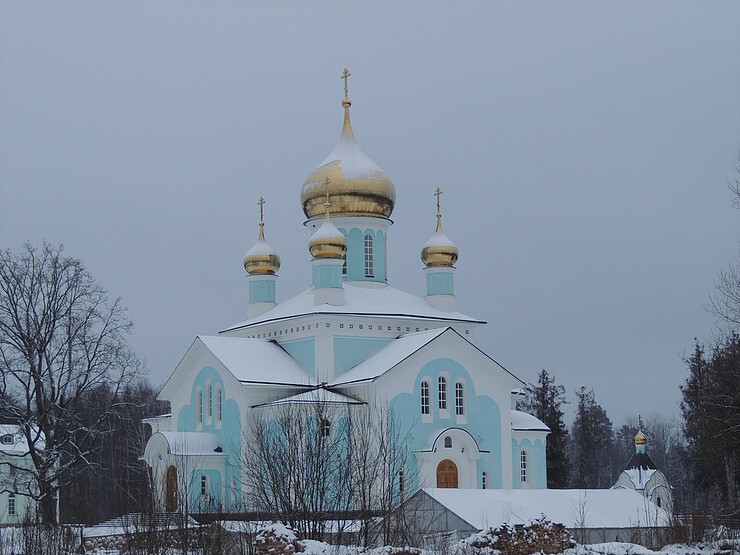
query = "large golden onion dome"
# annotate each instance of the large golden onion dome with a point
(358, 186)
(261, 259)
(327, 241)
(439, 250)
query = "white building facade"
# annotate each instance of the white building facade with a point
(350, 338)
(18, 489)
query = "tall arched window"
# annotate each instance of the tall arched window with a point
(484, 480)
(459, 399)
(344, 264)
(199, 406)
(209, 402)
(425, 409)
(11, 504)
(523, 468)
(325, 428)
(402, 484)
(442, 393)
(369, 266)
(219, 412)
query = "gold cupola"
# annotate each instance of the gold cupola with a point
(327, 241)
(640, 438)
(439, 250)
(358, 187)
(261, 259)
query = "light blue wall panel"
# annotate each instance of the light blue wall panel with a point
(262, 291)
(348, 351)
(536, 461)
(304, 353)
(356, 255)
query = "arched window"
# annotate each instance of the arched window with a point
(209, 402)
(425, 409)
(459, 399)
(442, 393)
(658, 501)
(199, 406)
(325, 428)
(11, 504)
(219, 412)
(484, 480)
(523, 467)
(204, 487)
(369, 266)
(448, 442)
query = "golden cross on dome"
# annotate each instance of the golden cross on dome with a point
(327, 204)
(261, 202)
(344, 76)
(436, 194)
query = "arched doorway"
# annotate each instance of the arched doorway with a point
(447, 474)
(170, 495)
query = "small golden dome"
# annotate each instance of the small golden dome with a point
(358, 186)
(261, 259)
(439, 250)
(327, 241)
(640, 438)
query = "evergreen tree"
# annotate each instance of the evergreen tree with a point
(711, 413)
(544, 400)
(591, 447)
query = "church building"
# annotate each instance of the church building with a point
(350, 339)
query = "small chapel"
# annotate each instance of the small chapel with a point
(351, 340)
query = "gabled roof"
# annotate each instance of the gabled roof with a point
(521, 421)
(640, 469)
(606, 508)
(389, 356)
(360, 298)
(396, 352)
(319, 396)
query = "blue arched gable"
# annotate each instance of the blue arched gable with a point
(229, 433)
(483, 416)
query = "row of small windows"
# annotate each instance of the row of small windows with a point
(298, 329)
(442, 396)
(209, 404)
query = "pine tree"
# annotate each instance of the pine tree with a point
(711, 412)
(544, 400)
(593, 437)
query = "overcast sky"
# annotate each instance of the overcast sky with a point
(583, 150)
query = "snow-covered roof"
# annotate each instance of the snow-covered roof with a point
(17, 442)
(192, 443)
(315, 396)
(256, 360)
(360, 298)
(353, 161)
(389, 356)
(575, 508)
(526, 422)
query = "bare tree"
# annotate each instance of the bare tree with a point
(725, 301)
(310, 465)
(61, 337)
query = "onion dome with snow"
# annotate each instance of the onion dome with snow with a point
(439, 250)
(261, 259)
(327, 241)
(358, 186)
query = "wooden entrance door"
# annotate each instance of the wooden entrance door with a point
(447, 474)
(170, 495)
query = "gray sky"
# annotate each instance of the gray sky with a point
(583, 148)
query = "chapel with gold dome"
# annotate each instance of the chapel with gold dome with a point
(351, 341)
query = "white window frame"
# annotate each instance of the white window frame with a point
(524, 467)
(204, 487)
(443, 396)
(12, 509)
(219, 405)
(459, 399)
(369, 256)
(209, 403)
(426, 400)
(198, 407)
(8, 439)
